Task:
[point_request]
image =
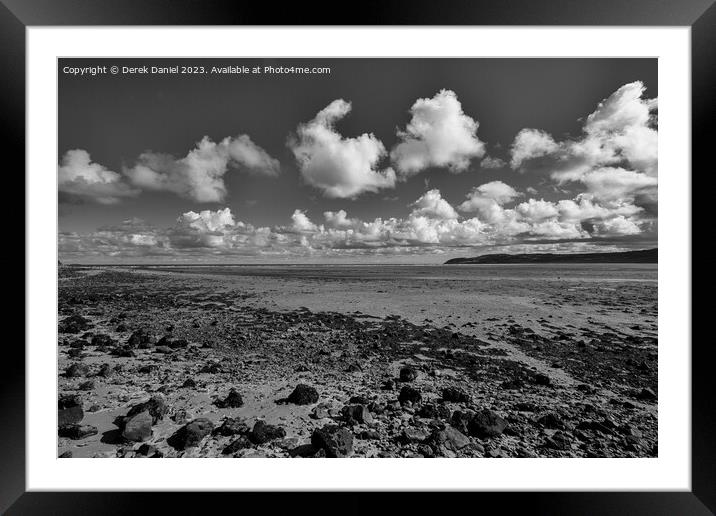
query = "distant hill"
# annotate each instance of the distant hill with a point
(644, 256)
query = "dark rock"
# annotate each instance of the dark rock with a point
(542, 379)
(412, 434)
(156, 406)
(360, 400)
(306, 450)
(69, 410)
(337, 442)
(434, 411)
(76, 370)
(101, 340)
(74, 431)
(388, 385)
(550, 420)
(455, 395)
(232, 400)
(104, 371)
(147, 450)
(408, 374)
(369, 434)
(646, 395)
(189, 384)
(66, 455)
(238, 444)
(191, 434)
(321, 411)
(140, 339)
(86, 386)
(461, 420)
(165, 350)
(78, 344)
(356, 414)
(410, 394)
(122, 352)
(211, 368)
(149, 368)
(231, 426)
(486, 423)
(138, 427)
(73, 324)
(558, 441)
(303, 395)
(262, 432)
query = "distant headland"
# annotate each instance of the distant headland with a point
(642, 256)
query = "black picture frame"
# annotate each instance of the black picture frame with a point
(17, 15)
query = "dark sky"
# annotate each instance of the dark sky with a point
(117, 117)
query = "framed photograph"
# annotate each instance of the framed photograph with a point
(429, 248)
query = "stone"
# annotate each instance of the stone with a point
(455, 395)
(356, 414)
(156, 406)
(104, 371)
(434, 411)
(542, 379)
(231, 426)
(461, 420)
(415, 435)
(558, 441)
(646, 394)
(76, 370)
(486, 423)
(164, 350)
(236, 445)
(75, 431)
(335, 441)
(191, 434)
(140, 339)
(232, 400)
(150, 451)
(138, 427)
(189, 383)
(450, 439)
(101, 340)
(409, 394)
(408, 374)
(86, 386)
(303, 395)
(69, 410)
(550, 420)
(73, 324)
(262, 432)
(321, 411)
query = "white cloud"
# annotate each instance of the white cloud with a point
(612, 184)
(81, 179)
(199, 176)
(530, 144)
(339, 167)
(487, 200)
(439, 134)
(432, 205)
(338, 219)
(301, 222)
(490, 163)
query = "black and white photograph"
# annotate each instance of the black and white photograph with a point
(357, 257)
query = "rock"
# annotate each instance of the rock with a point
(101, 340)
(449, 439)
(231, 426)
(75, 431)
(356, 414)
(262, 432)
(410, 394)
(138, 427)
(189, 384)
(73, 324)
(78, 344)
(303, 395)
(550, 420)
(86, 386)
(232, 400)
(211, 368)
(646, 394)
(408, 374)
(156, 406)
(66, 455)
(415, 435)
(388, 385)
(104, 371)
(369, 434)
(558, 441)
(455, 395)
(542, 379)
(434, 411)
(334, 440)
(191, 434)
(76, 370)
(140, 339)
(461, 420)
(485, 424)
(122, 352)
(239, 444)
(321, 411)
(164, 350)
(178, 344)
(360, 400)
(147, 450)
(69, 410)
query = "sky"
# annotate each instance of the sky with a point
(364, 161)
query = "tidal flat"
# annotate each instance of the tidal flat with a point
(358, 361)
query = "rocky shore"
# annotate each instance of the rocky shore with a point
(170, 365)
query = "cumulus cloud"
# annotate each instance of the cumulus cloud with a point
(432, 205)
(490, 162)
(199, 175)
(340, 167)
(439, 134)
(80, 179)
(530, 144)
(487, 200)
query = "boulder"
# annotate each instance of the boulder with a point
(236, 445)
(75, 431)
(231, 426)
(486, 423)
(191, 434)
(410, 394)
(356, 414)
(262, 432)
(408, 374)
(455, 395)
(138, 427)
(303, 395)
(449, 440)
(74, 324)
(232, 400)
(334, 440)
(69, 410)
(76, 370)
